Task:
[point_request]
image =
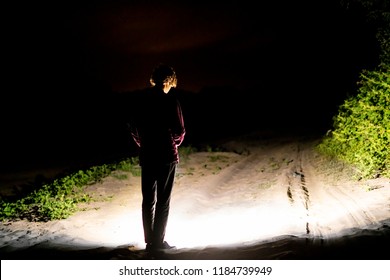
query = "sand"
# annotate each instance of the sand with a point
(262, 197)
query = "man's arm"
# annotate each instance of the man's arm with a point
(179, 129)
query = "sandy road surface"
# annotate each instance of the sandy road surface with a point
(262, 198)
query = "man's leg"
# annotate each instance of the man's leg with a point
(148, 185)
(164, 190)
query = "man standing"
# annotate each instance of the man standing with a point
(157, 128)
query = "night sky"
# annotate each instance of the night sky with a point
(241, 65)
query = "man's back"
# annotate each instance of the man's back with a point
(159, 126)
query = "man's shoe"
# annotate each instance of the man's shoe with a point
(148, 247)
(163, 246)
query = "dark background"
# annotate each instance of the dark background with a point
(69, 68)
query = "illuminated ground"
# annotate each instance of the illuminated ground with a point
(264, 198)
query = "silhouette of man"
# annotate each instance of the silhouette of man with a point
(157, 128)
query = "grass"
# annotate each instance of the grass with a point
(59, 199)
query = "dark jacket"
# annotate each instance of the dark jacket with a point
(157, 126)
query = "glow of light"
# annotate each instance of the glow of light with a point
(229, 225)
(198, 221)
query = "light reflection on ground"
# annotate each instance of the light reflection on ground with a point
(276, 189)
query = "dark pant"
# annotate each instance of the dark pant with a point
(157, 182)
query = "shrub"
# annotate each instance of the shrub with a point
(361, 129)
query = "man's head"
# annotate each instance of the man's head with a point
(163, 76)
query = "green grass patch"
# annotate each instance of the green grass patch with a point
(59, 199)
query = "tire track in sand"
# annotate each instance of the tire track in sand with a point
(331, 209)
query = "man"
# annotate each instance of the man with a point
(157, 128)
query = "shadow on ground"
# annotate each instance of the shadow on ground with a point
(357, 245)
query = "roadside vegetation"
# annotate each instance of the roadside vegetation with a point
(361, 129)
(59, 198)
(361, 132)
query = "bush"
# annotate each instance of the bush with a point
(361, 129)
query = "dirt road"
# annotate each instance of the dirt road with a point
(262, 197)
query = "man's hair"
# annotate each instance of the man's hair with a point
(163, 74)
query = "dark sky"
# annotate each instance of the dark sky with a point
(209, 43)
(59, 57)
